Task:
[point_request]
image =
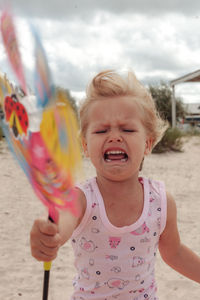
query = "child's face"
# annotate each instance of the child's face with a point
(116, 140)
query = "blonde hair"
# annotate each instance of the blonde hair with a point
(108, 84)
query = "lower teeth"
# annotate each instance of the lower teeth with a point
(123, 160)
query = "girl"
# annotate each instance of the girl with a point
(124, 218)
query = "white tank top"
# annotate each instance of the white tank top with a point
(118, 262)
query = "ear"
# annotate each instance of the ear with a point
(85, 148)
(148, 146)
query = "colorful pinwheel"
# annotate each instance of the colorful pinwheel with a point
(42, 132)
(11, 46)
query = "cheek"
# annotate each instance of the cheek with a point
(94, 149)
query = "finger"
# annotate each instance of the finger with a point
(42, 252)
(49, 251)
(37, 238)
(42, 256)
(45, 227)
(50, 241)
(49, 228)
(43, 242)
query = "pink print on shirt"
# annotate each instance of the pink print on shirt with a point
(88, 246)
(141, 230)
(117, 283)
(114, 241)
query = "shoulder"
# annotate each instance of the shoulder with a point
(157, 189)
(171, 222)
(85, 193)
(85, 197)
(154, 184)
(168, 204)
(171, 207)
(158, 200)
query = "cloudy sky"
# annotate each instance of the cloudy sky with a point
(159, 40)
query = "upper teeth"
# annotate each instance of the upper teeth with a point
(115, 152)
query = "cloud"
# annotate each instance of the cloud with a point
(158, 40)
(53, 9)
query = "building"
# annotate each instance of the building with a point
(191, 77)
(193, 114)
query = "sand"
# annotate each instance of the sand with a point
(21, 276)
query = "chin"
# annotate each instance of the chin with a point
(117, 176)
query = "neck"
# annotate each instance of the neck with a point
(118, 189)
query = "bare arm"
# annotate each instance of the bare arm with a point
(173, 252)
(67, 222)
(46, 237)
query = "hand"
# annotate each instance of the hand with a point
(44, 240)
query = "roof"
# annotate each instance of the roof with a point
(190, 77)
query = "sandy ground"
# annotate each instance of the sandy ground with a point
(21, 276)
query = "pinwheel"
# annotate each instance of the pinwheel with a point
(11, 46)
(42, 132)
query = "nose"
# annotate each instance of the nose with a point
(115, 137)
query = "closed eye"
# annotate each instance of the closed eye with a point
(100, 131)
(128, 130)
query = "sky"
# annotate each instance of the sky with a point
(158, 40)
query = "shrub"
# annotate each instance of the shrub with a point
(171, 141)
(162, 95)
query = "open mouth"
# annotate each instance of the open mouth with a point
(115, 155)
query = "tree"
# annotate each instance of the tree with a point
(162, 95)
(172, 139)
